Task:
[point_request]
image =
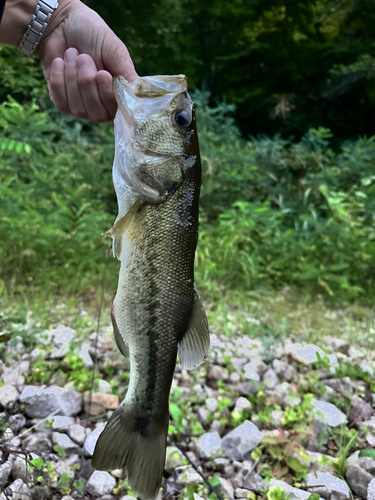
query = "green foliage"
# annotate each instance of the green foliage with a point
(276, 493)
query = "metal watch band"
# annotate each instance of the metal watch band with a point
(37, 25)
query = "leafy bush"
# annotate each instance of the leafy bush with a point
(274, 213)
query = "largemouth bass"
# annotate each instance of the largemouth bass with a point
(157, 310)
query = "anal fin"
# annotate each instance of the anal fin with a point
(123, 348)
(193, 348)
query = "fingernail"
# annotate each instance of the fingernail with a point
(71, 55)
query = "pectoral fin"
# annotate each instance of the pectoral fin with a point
(119, 228)
(193, 348)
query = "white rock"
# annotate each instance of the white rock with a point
(100, 483)
(104, 387)
(254, 369)
(78, 433)
(16, 374)
(212, 404)
(371, 490)
(328, 414)
(60, 439)
(19, 491)
(91, 441)
(270, 379)
(242, 404)
(209, 445)
(187, 475)
(8, 395)
(324, 484)
(305, 354)
(62, 335)
(42, 401)
(241, 441)
(293, 493)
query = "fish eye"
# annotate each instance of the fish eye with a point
(182, 118)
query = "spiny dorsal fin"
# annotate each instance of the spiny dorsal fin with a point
(119, 228)
(193, 348)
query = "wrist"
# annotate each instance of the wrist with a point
(16, 17)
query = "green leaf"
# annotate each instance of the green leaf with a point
(79, 485)
(37, 462)
(65, 478)
(367, 453)
(214, 481)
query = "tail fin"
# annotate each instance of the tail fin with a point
(129, 443)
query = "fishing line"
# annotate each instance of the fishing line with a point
(206, 481)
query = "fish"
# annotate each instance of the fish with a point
(157, 312)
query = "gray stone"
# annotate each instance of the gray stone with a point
(248, 388)
(5, 470)
(78, 433)
(16, 374)
(85, 356)
(327, 486)
(44, 337)
(42, 401)
(209, 445)
(359, 473)
(8, 395)
(19, 469)
(254, 370)
(270, 379)
(38, 442)
(328, 414)
(225, 488)
(59, 352)
(91, 440)
(203, 414)
(241, 441)
(104, 387)
(216, 426)
(187, 475)
(337, 345)
(65, 442)
(17, 421)
(340, 385)
(212, 404)
(100, 483)
(218, 373)
(17, 491)
(283, 370)
(174, 458)
(360, 410)
(371, 490)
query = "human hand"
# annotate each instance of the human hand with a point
(80, 55)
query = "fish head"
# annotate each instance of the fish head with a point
(153, 130)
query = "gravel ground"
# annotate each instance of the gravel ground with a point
(253, 421)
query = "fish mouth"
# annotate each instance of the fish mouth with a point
(150, 86)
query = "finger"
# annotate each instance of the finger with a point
(87, 72)
(116, 57)
(75, 100)
(56, 85)
(105, 87)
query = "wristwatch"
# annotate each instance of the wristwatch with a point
(37, 25)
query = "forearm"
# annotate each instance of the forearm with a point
(16, 17)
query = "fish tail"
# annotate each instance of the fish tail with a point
(136, 444)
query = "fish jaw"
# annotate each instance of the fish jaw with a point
(150, 146)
